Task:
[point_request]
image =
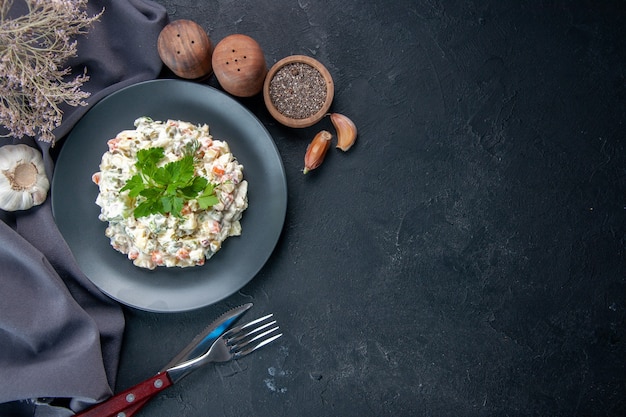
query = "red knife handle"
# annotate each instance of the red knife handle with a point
(131, 410)
(117, 405)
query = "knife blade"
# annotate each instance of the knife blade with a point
(203, 340)
(200, 344)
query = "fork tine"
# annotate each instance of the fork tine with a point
(235, 331)
(243, 333)
(255, 343)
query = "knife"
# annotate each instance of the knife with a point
(200, 344)
(203, 341)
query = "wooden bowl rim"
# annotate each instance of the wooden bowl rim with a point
(308, 121)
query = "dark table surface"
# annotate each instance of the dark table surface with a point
(466, 256)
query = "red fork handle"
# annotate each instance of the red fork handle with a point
(128, 402)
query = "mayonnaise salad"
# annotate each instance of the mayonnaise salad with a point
(165, 239)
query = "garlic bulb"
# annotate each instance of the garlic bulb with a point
(23, 180)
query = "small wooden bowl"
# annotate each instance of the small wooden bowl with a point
(185, 48)
(239, 65)
(307, 120)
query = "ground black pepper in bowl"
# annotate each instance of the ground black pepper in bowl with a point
(298, 90)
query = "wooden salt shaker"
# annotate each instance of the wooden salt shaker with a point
(239, 65)
(185, 48)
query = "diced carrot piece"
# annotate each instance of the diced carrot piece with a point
(215, 227)
(157, 258)
(113, 144)
(186, 209)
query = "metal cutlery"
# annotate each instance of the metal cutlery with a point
(217, 343)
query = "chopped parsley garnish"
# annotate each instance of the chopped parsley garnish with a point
(165, 189)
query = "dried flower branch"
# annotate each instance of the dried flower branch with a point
(34, 48)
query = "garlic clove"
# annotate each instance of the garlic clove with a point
(39, 196)
(316, 151)
(8, 201)
(346, 131)
(25, 200)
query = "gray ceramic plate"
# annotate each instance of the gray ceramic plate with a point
(169, 289)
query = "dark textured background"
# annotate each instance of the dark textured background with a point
(466, 256)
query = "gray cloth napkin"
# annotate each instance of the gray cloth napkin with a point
(60, 337)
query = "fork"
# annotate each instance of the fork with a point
(233, 344)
